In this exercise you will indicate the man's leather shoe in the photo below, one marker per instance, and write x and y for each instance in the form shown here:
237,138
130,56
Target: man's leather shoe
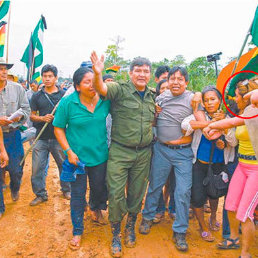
38,200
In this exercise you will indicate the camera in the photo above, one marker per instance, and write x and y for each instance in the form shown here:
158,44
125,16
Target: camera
214,57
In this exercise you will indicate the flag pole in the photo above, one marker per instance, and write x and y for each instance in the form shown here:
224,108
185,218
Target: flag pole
242,49
7,41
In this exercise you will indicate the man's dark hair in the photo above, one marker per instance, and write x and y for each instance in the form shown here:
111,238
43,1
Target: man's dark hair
107,76
140,61
79,74
49,68
180,69
34,81
161,69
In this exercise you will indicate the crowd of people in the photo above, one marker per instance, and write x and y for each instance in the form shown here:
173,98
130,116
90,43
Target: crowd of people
142,151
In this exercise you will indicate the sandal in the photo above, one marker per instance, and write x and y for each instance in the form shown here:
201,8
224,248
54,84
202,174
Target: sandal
214,227
75,243
207,236
224,244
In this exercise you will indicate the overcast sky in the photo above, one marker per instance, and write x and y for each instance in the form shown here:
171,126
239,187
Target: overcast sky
155,29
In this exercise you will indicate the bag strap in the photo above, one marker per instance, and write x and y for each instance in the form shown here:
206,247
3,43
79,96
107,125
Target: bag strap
211,157
49,100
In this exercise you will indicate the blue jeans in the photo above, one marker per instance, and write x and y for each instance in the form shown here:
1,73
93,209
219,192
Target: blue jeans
40,158
162,161
98,194
14,149
171,206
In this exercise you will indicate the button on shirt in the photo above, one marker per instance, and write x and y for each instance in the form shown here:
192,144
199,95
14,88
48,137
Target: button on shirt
132,115
13,98
86,132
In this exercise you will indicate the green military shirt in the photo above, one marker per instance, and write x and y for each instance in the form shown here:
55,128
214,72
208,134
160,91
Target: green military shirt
132,116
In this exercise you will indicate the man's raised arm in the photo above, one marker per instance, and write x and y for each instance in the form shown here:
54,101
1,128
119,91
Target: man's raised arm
98,67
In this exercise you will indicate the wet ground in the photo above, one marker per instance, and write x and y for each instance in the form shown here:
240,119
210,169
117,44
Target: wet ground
44,231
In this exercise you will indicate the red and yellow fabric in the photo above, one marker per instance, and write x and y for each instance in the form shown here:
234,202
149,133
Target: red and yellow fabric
2,39
114,69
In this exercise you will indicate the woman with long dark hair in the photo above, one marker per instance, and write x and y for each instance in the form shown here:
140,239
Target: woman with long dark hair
80,128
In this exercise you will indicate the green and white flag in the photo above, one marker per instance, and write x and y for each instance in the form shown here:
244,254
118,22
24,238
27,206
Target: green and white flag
33,54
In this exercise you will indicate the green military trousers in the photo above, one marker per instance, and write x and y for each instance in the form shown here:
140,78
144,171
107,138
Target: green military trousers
126,164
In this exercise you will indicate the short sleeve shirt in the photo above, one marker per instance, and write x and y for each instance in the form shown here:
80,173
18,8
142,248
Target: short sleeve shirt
86,132
132,116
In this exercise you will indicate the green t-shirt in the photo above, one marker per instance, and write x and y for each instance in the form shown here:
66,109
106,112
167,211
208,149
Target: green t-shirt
86,132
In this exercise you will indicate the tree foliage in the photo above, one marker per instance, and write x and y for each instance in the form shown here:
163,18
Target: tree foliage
201,72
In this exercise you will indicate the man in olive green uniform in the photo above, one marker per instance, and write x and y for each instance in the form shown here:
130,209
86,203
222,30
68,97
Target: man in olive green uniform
132,110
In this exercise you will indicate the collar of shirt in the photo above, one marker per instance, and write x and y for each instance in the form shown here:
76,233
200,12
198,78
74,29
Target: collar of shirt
132,89
76,99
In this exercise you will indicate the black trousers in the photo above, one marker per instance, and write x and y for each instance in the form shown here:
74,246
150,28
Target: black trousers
200,170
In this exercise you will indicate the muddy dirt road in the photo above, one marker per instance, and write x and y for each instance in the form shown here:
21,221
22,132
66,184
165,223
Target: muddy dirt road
44,231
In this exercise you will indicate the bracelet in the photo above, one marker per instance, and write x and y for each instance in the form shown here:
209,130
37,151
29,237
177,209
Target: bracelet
65,151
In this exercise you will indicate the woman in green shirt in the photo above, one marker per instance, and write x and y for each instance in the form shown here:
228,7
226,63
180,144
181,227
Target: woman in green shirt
80,128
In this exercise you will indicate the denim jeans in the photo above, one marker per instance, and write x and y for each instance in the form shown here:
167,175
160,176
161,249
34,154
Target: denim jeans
171,206
163,160
14,149
98,194
40,160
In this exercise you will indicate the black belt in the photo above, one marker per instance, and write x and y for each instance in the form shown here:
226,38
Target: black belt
133,147
247,157
176,147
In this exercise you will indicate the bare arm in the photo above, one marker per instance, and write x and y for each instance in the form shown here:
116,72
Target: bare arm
227,123
253,96
199,124
45,119
61,138
98,67
215,129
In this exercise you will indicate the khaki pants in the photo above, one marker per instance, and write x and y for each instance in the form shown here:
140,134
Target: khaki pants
126,164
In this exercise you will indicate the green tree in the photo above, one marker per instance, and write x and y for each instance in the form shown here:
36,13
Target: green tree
201,73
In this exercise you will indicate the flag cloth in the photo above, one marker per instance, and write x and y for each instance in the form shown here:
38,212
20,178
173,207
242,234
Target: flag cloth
4,8
2,38
35,59
114,69
254,30
251,66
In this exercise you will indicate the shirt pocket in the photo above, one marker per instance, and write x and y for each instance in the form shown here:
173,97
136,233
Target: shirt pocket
128,104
